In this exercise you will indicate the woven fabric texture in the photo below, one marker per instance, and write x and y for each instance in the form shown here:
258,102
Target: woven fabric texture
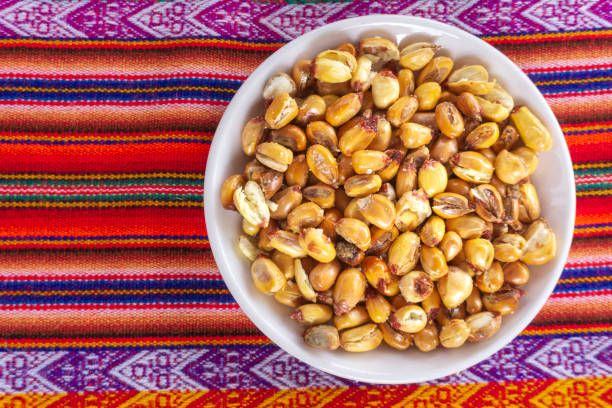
109,294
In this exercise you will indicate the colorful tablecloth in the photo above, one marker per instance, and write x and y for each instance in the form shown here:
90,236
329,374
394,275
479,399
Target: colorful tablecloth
109,294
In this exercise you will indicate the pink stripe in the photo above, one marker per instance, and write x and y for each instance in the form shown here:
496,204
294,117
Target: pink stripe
99,190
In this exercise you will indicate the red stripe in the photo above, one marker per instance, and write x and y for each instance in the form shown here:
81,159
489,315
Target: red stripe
118,103
585,124
585,153
219,306
128,158
213,275
603,292
149,45
583,93
547,39
566,68
133,77
106,135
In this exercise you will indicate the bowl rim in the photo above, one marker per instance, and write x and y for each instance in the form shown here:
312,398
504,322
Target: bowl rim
220,254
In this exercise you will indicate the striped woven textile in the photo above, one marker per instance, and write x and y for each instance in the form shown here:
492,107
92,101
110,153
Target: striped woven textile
109,294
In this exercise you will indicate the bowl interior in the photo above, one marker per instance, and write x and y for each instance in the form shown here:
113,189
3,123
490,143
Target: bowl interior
553,179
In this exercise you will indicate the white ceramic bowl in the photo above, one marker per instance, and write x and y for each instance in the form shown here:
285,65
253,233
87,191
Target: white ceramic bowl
554,181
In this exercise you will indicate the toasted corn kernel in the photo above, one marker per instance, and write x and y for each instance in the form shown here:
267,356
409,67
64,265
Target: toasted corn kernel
311,109
249,228
270,182
509,247
388,191
369,161
541,243
381,240
354,231
507,139
347,47
361,339
378,210
437,70
533,133
344,109
383,134
286,200
488,202
402,110
274,155
360,81
322,164
329,99
287,243
290,136
252,133
312,314
415,202
529,156
353,318
530,209
397,302
379,50
362,185
479,253
454,333
302,281
267,277
377,306
367,104
428,94
491,280
247,247
409,319
471,78
416,286
488,153
444,148
328,225
472,167
265,235
318,245
469,106
290,295
352,211
392,288
284,263
302,76
473,303
385,89
406,179
391,169
511,204
483,325
458,186
404,253
447,96
376,272
349,253
251,204
510,168
349,289
281,111
483,136
432,303
253,170
433,262
433,231
432,177
468,226
230,185
427,339
345,168
499,230
394,338
326,297
334,66
449,119
341,200
414,135
451,245
406,82
416,56
304,216
322,337
297,172
277,84
321,194
497,104
359,136
323,276
455,287
337,89
450,205
504,301
516,273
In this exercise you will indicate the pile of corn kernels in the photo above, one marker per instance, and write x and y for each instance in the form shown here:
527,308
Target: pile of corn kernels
389,198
